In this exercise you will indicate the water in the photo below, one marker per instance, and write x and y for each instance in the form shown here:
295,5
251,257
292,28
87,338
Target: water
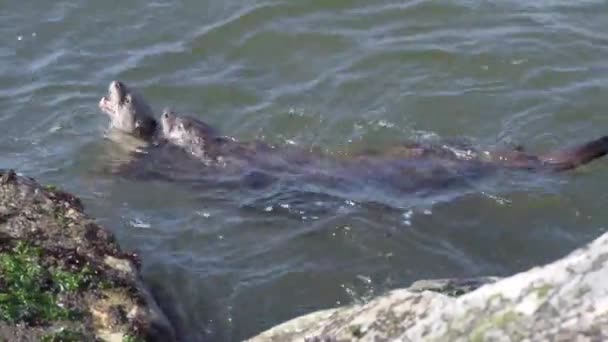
340,75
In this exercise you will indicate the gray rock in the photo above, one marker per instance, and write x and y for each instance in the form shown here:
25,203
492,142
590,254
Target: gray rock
564,301
382,319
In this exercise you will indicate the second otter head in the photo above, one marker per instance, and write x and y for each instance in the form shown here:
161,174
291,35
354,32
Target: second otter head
128,111
185,131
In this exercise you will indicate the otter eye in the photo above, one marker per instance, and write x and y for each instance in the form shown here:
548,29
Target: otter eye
128,99
166,115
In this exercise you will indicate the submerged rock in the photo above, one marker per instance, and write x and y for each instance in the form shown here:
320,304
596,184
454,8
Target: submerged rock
564,301
451,287
63,277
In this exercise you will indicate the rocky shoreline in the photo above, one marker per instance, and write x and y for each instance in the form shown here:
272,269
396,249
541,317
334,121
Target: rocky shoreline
63,277
566,300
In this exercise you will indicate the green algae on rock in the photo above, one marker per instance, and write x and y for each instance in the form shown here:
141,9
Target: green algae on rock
63,277
29,291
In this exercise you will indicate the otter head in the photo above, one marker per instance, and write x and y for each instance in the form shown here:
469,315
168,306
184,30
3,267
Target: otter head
128,111
187,132
182,130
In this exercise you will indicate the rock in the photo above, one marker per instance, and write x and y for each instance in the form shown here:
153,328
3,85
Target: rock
451,287
63,277
564,301
382,319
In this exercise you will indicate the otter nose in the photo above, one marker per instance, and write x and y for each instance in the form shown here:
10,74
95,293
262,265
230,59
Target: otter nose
117,84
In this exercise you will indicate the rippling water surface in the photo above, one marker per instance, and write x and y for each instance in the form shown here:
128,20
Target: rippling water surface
339,75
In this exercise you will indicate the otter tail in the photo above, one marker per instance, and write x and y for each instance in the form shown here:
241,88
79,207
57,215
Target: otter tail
558,160
571,158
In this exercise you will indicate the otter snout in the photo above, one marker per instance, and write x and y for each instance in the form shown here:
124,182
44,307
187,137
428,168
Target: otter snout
117,91
116,85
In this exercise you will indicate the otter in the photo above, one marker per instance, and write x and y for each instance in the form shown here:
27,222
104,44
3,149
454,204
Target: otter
202,141
403,169
128,111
